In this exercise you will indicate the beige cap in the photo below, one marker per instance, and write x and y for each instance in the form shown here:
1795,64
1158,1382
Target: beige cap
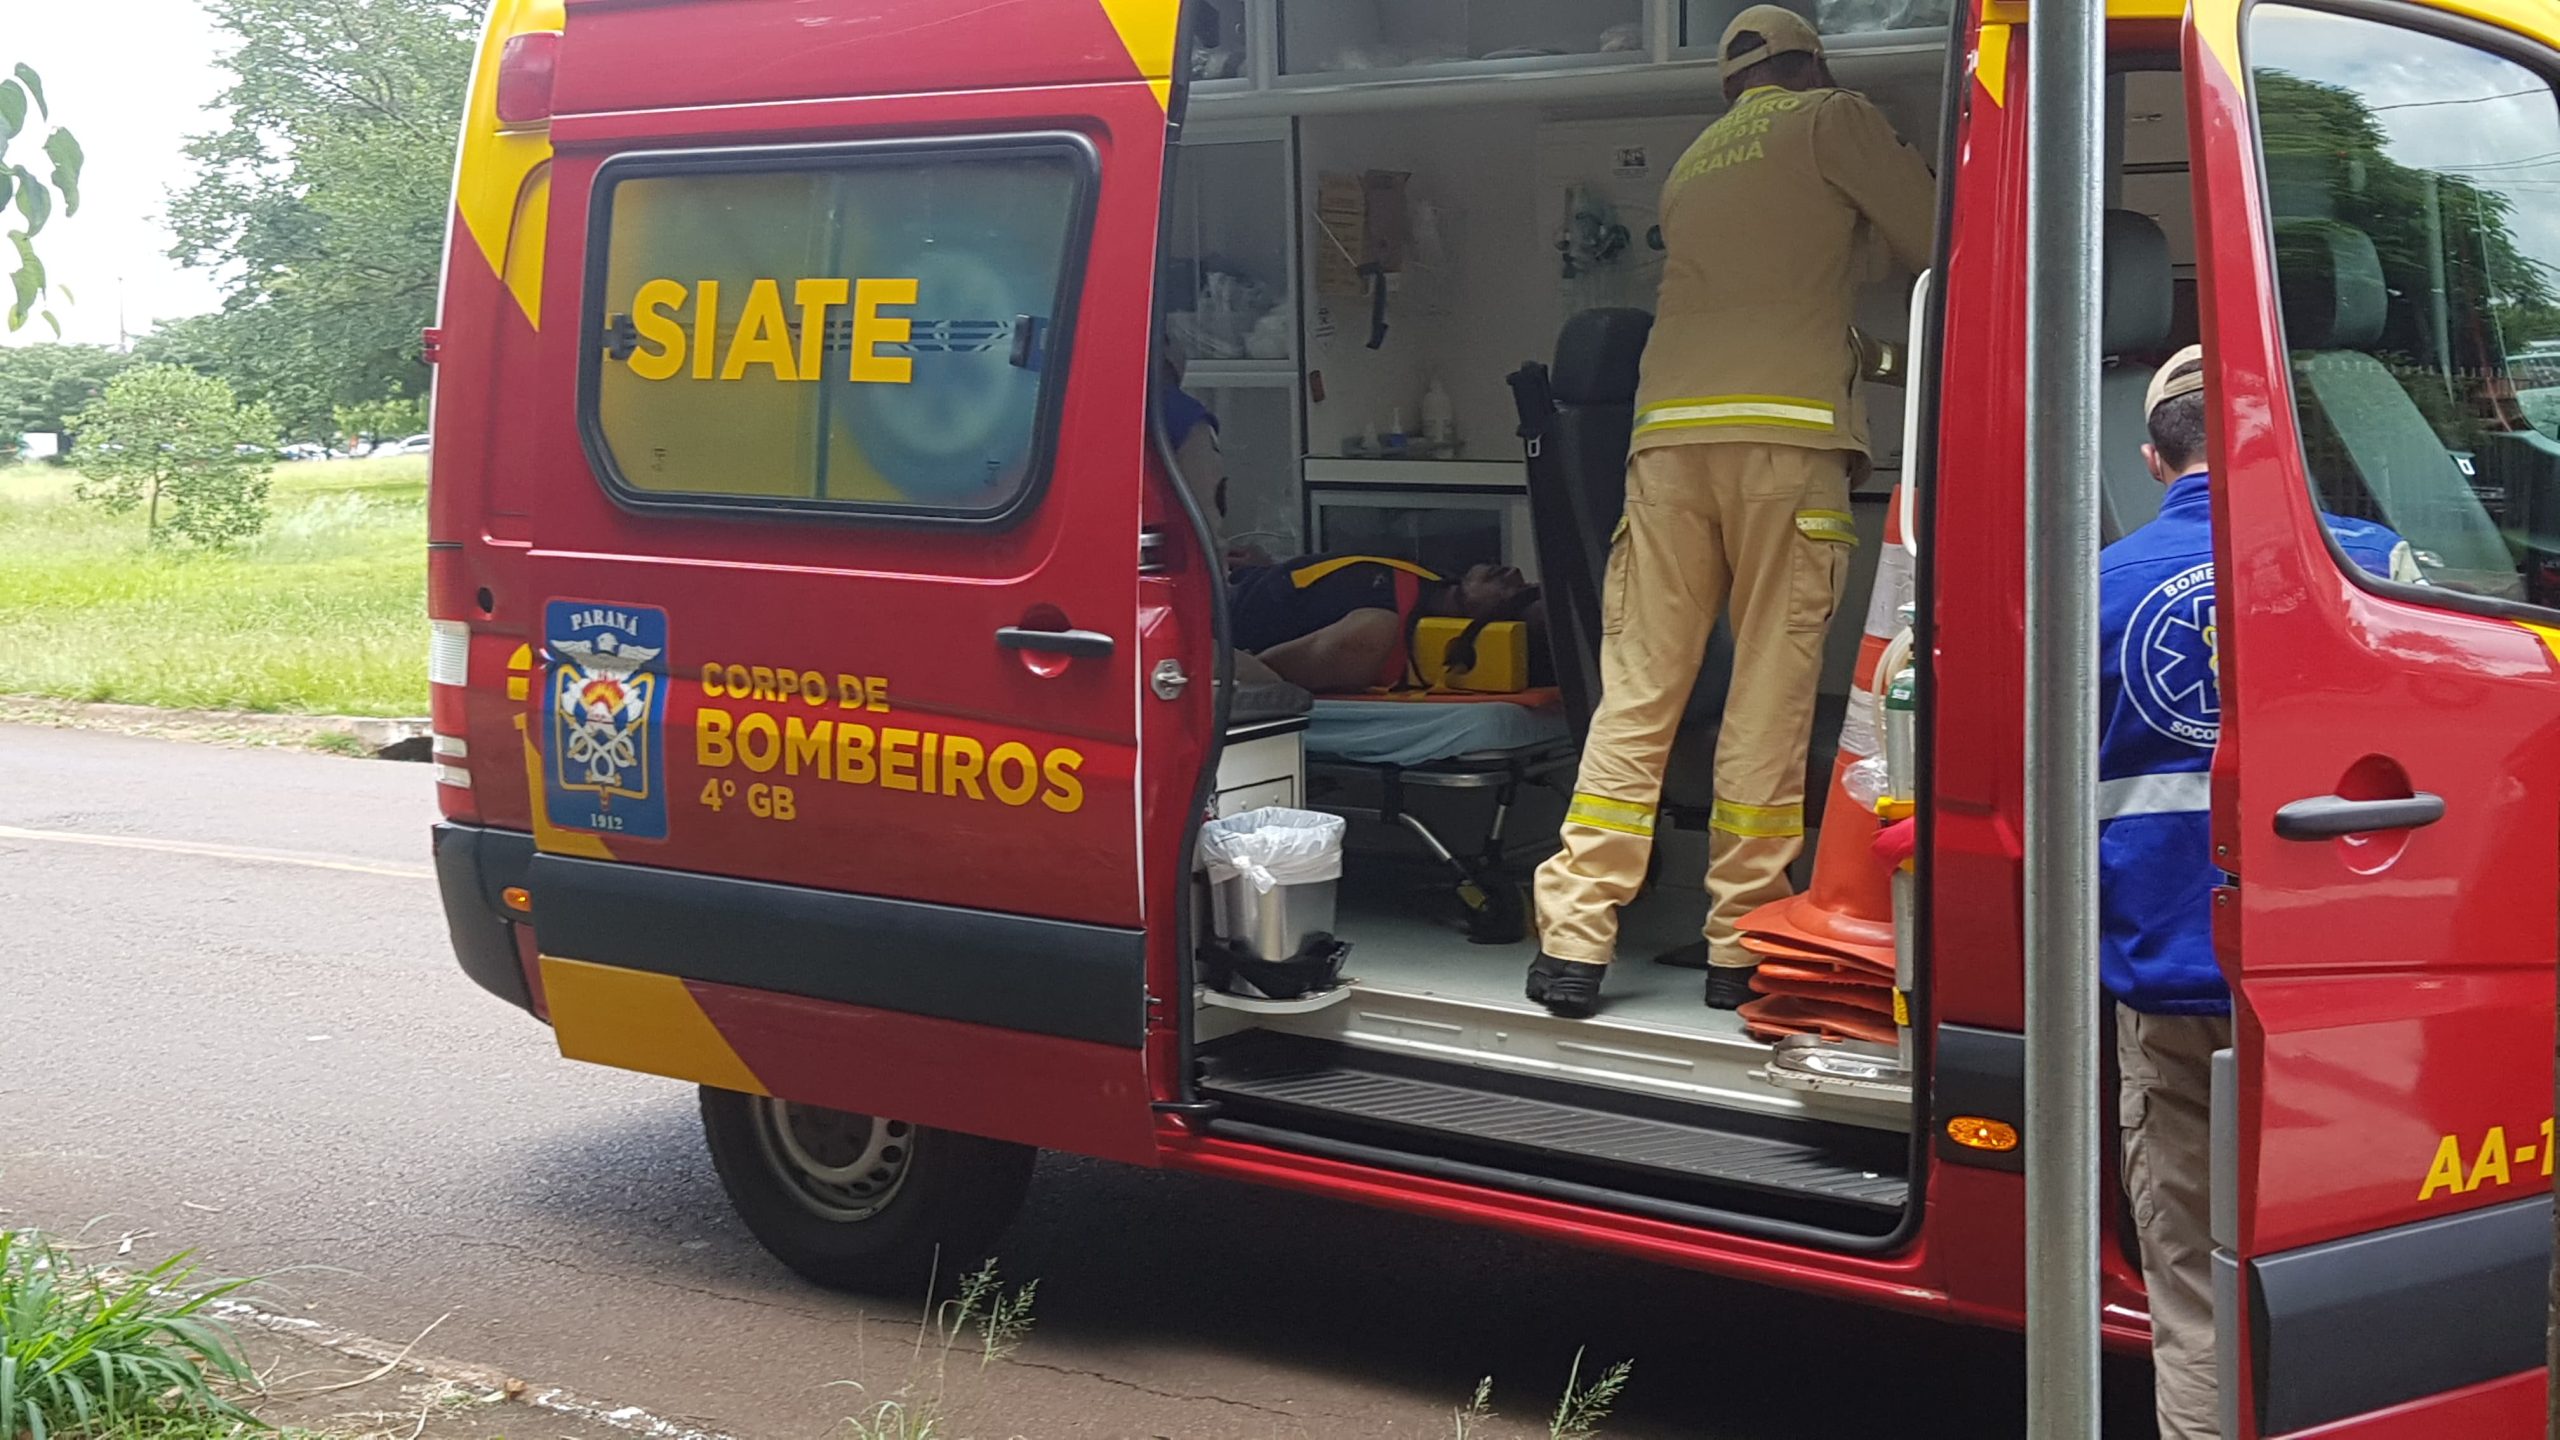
2164,388
1783,31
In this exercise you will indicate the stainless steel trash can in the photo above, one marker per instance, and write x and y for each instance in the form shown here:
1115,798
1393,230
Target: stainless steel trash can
1272,877
1271,925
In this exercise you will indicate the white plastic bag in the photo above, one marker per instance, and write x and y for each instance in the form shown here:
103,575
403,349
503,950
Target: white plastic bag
1865,782
1274,846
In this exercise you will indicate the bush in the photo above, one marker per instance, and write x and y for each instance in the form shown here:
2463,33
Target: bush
164,438
78,1351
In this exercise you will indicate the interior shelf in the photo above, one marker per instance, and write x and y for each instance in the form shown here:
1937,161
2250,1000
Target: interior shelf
1238,374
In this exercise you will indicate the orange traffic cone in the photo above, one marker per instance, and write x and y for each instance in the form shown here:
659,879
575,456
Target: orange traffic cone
1848,910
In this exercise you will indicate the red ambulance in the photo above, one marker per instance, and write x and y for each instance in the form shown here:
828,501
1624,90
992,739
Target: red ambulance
830,668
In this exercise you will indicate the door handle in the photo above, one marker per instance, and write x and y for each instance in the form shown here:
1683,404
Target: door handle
1055,642
2325,817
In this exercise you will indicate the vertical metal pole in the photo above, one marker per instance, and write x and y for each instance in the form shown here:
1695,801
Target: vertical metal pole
2065,173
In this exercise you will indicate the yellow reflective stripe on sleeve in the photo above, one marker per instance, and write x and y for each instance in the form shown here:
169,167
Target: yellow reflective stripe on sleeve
1306,575
1835,526
1788,411
1602,813
1757,821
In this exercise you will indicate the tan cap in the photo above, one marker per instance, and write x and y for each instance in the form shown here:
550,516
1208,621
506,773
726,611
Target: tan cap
1783,31
2165,388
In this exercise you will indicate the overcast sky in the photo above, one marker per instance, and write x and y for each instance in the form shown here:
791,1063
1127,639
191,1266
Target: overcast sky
2445,106
131,79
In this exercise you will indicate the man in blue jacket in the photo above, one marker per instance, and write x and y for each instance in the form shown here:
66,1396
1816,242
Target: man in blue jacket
2160,712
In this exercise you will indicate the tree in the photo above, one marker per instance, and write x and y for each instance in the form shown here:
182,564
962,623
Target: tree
43,386
388,418
266,352
33,196
324,195
167,438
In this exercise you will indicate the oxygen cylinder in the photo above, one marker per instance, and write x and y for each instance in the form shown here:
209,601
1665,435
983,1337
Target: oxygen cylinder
1900,717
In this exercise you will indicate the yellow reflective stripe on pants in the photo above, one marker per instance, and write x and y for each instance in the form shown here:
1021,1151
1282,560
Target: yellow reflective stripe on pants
1791,411
1710,531
1735,818
1836,526
1602,813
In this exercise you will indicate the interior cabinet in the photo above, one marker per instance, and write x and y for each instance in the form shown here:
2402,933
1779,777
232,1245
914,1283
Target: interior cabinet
1347,37
1852,21
1231,314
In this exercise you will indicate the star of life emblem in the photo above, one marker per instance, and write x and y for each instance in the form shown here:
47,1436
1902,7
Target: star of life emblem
2172,659
607,705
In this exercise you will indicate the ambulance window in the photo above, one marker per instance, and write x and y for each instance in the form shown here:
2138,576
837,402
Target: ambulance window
2414,183
870,329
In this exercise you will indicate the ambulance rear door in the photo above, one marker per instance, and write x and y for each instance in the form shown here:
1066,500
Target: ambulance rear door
834,718
2379,231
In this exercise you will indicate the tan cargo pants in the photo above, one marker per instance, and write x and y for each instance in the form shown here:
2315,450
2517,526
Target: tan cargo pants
2164,1105
1764,530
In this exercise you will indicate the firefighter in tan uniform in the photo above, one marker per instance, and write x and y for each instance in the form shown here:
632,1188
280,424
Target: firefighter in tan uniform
1748,429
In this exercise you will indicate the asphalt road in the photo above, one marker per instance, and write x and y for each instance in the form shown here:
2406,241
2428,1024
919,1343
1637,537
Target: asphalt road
276,1065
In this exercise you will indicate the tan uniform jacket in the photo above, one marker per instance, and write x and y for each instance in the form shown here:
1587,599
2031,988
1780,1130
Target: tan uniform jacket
1769,223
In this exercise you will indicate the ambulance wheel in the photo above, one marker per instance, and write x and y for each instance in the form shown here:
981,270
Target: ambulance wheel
854,1202
1497,912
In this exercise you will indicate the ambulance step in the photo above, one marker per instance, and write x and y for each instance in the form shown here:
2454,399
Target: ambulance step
1541,1128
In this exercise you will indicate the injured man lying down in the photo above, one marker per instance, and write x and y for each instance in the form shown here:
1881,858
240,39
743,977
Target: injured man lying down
1347,623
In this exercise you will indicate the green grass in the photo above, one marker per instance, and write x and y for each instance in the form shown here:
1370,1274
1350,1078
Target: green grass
80,1357
324,613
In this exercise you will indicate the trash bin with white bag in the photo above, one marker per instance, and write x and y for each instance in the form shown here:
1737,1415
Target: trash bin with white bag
1273,874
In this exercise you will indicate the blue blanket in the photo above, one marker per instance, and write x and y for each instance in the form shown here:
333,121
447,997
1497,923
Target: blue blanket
1402,732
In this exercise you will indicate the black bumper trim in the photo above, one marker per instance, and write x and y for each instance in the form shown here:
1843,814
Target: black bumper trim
1012,972
1980,1072
2362,1324
474,867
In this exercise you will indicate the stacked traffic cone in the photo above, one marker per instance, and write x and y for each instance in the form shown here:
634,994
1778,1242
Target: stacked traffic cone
1826,956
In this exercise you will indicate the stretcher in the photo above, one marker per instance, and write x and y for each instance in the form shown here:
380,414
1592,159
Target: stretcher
1446,742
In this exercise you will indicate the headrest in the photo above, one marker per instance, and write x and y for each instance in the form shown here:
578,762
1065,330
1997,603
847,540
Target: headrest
2139,293
2330,282
1597,357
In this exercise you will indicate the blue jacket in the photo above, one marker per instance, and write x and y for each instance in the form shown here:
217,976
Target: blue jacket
2159,714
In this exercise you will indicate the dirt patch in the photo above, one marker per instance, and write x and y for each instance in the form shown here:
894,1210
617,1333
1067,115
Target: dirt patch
360,735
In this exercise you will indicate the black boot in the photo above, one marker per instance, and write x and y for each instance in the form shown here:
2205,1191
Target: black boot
1729,987
1569,988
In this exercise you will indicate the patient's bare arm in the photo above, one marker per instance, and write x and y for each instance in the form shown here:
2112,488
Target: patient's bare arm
1348,654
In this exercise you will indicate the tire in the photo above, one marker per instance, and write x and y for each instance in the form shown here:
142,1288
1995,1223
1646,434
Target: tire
855,1203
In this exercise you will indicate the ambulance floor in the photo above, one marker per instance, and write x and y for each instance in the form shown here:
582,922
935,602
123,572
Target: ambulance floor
1398,943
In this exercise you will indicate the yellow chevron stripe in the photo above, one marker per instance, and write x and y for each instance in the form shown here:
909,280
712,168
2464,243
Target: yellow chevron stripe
634,1020
499,167
1991,63
1147,31
2550,636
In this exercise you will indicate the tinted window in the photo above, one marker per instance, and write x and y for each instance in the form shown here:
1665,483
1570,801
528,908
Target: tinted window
2415,188
869,330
